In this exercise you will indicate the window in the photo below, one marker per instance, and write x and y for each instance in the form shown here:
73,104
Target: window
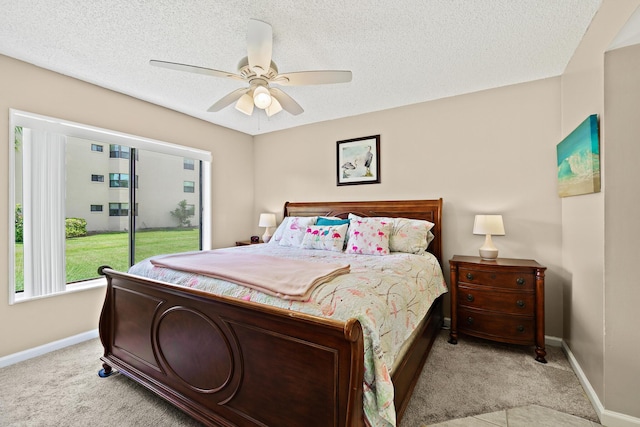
49,163
118,152
119,180
189,164
118,209
189,187
96,147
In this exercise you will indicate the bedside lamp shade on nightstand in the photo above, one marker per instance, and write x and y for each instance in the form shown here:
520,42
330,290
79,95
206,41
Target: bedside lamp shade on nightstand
267,220
489,225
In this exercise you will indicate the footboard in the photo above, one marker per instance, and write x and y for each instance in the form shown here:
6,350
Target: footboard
232,362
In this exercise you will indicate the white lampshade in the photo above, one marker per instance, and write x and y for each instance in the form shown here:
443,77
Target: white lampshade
488,225
261,97
267,220
245,104
274,108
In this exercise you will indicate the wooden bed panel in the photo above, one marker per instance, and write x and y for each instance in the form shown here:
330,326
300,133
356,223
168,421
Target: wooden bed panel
198,352
231,362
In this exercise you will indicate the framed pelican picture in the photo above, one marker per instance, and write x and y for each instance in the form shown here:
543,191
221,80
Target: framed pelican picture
358,160
579,160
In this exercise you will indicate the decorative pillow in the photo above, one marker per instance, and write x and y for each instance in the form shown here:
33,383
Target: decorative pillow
410,235
369,236
325,237
275,239
407,235
323,220
295,230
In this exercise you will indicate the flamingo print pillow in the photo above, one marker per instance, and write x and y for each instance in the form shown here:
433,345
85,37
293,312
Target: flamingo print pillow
325,237
295,229
369,236
407,235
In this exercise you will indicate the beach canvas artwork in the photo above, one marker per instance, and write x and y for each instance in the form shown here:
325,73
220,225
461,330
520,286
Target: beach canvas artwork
579,160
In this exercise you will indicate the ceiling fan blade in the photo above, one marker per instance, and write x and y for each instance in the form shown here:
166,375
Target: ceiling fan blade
195,69
312,78
259,46
287,102
228,99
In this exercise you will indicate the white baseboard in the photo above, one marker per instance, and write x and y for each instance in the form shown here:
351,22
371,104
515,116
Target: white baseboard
607,418
46,348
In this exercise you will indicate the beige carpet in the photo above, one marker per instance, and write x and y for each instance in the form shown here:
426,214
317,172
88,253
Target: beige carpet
63,389
477,377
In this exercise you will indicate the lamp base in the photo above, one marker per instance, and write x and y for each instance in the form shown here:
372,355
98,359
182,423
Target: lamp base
267,235
488,251
488,254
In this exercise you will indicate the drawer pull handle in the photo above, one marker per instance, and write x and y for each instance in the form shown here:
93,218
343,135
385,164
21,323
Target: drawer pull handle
470,298
469,276
470,320
520,303
520,281
520,328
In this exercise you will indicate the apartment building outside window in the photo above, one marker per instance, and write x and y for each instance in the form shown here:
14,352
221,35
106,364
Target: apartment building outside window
50,163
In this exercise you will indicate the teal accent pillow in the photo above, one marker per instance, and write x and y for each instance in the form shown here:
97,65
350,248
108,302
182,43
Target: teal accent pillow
330,221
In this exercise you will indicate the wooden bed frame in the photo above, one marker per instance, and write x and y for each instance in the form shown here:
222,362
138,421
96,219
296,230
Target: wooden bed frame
229,362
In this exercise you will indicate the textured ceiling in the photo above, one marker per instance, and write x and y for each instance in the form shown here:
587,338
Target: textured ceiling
400,52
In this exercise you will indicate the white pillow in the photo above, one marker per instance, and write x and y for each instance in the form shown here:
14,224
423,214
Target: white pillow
325,237
410,235
275,239
295,230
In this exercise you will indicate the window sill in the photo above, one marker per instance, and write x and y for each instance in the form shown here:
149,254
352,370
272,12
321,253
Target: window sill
71,288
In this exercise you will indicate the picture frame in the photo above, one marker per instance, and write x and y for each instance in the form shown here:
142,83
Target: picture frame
358,160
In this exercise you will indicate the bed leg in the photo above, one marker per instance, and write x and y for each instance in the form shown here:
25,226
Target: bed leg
106,371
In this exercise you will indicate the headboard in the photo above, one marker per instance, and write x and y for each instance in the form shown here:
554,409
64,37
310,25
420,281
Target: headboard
429,210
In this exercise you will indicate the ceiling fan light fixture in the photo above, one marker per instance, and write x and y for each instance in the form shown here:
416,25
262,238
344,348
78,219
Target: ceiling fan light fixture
245,104
261,97
274,108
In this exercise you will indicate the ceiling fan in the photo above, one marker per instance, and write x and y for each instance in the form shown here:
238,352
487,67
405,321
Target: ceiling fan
260,71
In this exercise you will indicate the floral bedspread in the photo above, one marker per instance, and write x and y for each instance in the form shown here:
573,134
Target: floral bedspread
389,295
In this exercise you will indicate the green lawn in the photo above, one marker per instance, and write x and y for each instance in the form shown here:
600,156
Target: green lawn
86,254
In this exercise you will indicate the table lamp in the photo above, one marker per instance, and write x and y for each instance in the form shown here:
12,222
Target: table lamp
267,220
488,225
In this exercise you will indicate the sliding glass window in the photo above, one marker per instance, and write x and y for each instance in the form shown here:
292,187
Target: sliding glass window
61,233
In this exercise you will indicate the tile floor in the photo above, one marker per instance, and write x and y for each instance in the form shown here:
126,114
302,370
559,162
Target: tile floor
527,416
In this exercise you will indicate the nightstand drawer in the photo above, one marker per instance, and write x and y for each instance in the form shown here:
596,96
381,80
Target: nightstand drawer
499,327
507,301
508,280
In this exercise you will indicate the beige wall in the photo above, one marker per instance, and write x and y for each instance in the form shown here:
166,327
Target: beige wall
491,151
590,316
29,88
622,231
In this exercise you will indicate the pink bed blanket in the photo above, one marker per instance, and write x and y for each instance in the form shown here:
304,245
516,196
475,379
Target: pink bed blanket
285,278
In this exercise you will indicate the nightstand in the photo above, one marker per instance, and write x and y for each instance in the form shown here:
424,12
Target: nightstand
247,243
500,300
